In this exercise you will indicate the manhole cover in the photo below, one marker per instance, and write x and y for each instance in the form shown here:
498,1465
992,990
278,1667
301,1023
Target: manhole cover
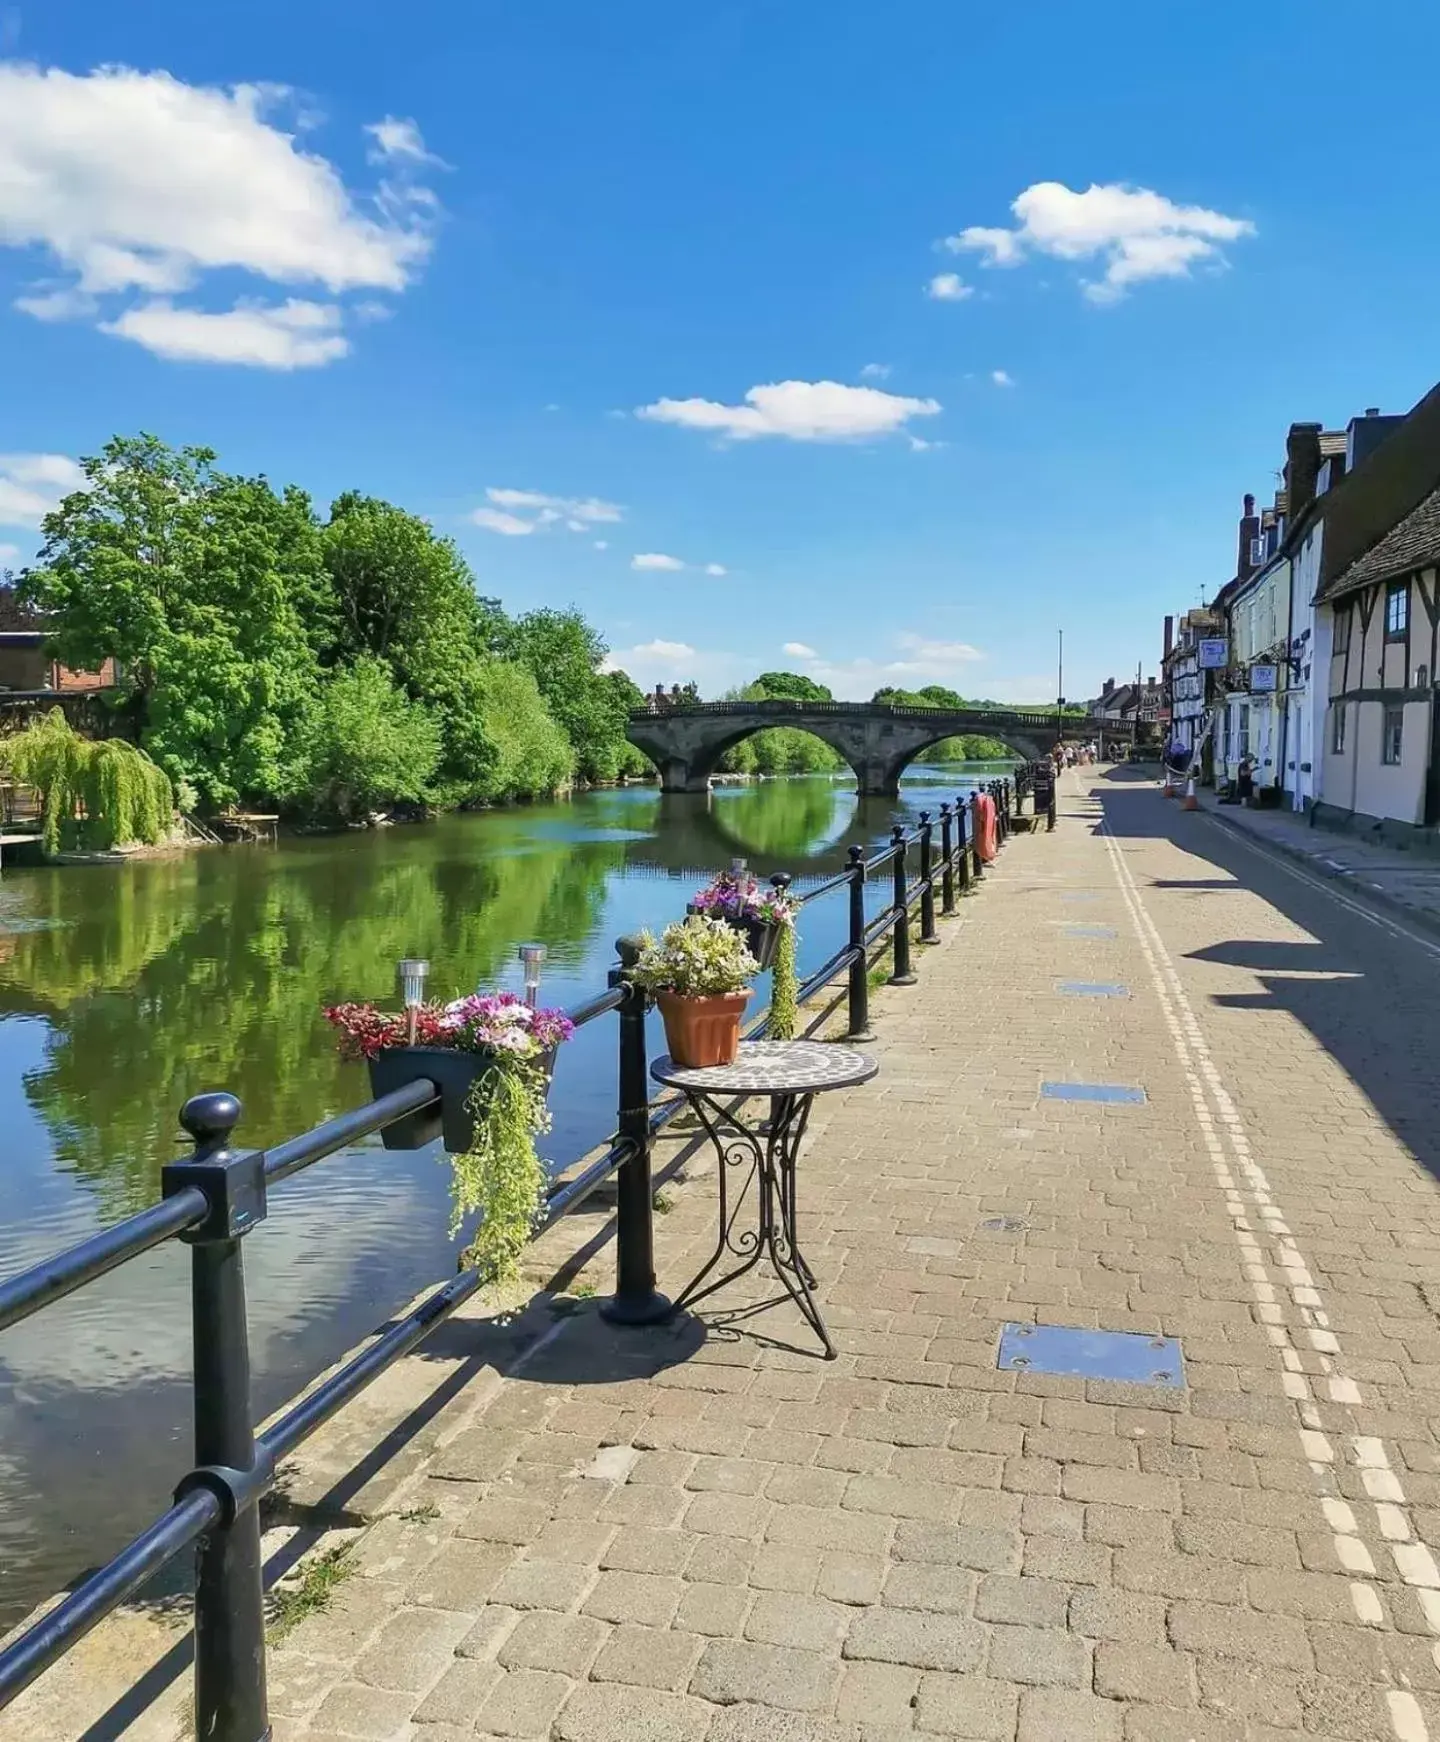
1127,1355
1003,1225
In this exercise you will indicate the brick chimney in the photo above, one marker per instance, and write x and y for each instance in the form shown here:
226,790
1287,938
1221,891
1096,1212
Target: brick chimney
1302,467
1169,636
1250,529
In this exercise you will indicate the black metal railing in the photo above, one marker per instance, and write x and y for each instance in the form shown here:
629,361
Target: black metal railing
217,1196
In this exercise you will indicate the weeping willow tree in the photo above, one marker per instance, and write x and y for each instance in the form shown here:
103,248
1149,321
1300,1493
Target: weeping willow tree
92,794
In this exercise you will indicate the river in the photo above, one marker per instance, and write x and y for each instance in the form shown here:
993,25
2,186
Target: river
125,989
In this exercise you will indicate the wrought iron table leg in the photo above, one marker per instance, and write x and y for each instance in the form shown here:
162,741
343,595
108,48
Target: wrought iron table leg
771,1166
781,1241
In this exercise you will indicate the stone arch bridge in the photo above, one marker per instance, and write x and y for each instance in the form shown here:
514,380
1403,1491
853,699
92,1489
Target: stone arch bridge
876,739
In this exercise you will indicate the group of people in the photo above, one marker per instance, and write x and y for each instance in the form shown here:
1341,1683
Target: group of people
1075,755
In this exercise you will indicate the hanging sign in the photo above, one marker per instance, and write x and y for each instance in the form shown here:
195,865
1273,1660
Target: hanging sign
1262,678
1214,654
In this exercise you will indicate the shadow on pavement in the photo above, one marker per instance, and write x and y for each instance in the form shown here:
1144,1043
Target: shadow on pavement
1366,994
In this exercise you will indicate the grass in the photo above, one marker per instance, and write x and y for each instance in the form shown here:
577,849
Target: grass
312,1593
420,1514
663,1205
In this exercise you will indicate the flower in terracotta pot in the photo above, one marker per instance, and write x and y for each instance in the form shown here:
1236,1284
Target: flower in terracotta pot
699,972
491,1056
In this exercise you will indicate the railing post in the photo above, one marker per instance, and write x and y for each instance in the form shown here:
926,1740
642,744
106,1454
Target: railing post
928,933
636,1300
962,830
903,975
947,859
859,963
1052,812
979,868
230,1703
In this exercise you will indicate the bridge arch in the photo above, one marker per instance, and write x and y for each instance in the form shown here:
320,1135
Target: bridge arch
876,740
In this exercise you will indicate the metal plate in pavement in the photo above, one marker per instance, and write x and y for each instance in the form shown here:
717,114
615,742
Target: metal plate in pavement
1127,1355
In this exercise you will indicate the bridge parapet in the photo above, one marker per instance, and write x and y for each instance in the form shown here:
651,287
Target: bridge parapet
877,739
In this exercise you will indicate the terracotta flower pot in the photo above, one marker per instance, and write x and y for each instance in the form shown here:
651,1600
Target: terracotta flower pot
702,1031
453,1072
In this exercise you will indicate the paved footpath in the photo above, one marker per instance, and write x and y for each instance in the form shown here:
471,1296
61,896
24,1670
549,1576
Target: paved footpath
650,1537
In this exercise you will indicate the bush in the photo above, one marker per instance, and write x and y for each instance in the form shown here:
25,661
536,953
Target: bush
370,745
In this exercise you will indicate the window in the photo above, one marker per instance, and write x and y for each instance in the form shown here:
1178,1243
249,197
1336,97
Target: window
1343,615
1397,611
1243,747
1392,735
1337,729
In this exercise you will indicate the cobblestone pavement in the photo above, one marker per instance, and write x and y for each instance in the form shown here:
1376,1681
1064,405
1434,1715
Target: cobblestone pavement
669,1537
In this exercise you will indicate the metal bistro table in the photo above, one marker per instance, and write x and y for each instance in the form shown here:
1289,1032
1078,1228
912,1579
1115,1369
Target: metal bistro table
789,1073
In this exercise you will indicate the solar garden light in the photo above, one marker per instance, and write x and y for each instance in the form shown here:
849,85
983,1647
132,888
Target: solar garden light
532,955
411,975
737,869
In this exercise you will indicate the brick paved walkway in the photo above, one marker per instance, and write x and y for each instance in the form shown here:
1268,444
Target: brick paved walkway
647,1537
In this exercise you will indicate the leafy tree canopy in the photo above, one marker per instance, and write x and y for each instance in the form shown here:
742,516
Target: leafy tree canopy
566,655
791,686
194,582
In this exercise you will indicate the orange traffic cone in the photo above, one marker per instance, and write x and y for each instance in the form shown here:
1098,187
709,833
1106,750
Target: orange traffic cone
1190,802
1168,790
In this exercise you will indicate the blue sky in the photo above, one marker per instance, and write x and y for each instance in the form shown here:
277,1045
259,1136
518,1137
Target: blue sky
542,263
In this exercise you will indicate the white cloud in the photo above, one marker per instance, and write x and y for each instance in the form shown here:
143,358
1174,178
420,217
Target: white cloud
136,185
602,544
291,335
716,569
875,372
62,304
32,484
398,141
1001,378
1137,234
948,287
798,650
677,652
9,552
655,559
583,508
804,411
916,660
536,509
507,525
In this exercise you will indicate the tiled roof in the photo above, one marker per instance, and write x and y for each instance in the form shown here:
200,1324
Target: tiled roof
1332,442
1413,544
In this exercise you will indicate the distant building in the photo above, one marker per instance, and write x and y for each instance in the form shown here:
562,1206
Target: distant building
25,665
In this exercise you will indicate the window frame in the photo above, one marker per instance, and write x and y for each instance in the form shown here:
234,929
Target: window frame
1392,718
1397,593
1339,716
1344,622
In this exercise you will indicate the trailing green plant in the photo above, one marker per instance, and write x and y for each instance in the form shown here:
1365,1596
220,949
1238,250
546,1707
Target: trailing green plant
501,1175
784,985
94,794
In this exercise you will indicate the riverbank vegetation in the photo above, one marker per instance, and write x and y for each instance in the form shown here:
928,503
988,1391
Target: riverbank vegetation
330,665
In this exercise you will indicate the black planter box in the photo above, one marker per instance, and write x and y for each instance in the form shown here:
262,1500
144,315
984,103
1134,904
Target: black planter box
453,1072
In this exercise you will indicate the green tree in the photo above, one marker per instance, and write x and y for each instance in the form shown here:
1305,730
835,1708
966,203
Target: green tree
790,686
192,581
405,595
532,755
369,745
566,654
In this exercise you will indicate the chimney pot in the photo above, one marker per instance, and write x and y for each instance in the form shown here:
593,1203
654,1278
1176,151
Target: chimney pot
1249,504
1372,411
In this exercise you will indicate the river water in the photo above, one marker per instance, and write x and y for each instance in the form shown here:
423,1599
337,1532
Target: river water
125,989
